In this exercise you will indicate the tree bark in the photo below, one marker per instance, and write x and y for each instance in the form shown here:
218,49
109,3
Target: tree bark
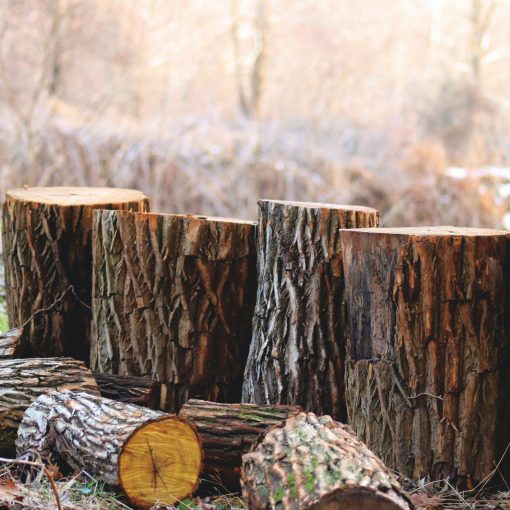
227,432
311,462
141,391
297,351
47,234
23,380
173,300
427,366
13,344
154,457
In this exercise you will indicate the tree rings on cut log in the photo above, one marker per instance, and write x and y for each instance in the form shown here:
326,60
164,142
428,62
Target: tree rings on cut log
427,367
297,349
47,249
160,462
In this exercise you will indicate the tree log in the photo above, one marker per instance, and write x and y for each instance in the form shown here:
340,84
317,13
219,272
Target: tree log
311,462
173,300
297,351
227,432
154,457
427,366
13,344
141,391
23,380
47,248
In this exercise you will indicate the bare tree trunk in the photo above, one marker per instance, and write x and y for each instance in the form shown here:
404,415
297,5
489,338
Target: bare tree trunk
227,432
427,370
47,249
316,463
297,351
154,457
22,381
173,300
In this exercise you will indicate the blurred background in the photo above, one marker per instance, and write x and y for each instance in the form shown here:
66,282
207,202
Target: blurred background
206,105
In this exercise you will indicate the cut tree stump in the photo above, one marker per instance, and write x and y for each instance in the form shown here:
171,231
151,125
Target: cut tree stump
173,300
23,380
297,350
154,457
427,371
317,463
47,248
141,391
227,432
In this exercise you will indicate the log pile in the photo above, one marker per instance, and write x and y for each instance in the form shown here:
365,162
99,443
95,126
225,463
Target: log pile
154,457
173,300
47,247
427,366
297,350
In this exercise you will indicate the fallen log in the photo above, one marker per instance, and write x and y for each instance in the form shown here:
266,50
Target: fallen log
141,391
297,350
155,458
173,300
47,234
23,380
427,370
12,344
310,462
227,432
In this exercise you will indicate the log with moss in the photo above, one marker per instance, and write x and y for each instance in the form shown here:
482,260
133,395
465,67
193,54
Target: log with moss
173,300
297,350
155,458
23,380
227,432
428,355
47,250
317,463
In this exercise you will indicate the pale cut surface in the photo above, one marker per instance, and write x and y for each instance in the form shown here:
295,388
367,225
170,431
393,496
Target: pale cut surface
435,231
319,205
69,196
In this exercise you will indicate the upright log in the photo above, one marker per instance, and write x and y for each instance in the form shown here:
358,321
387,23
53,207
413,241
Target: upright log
427,371
23,380
154,457
317,463
47,234
297,350
227,432
173,300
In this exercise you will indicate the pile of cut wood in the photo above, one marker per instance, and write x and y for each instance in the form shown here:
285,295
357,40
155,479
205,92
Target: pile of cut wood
168,353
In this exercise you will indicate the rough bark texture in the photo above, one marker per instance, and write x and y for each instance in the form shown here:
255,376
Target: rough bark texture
173,300
13,344
227,432
47,234
427,366
318,463
22,381
141,391
297,351
154,457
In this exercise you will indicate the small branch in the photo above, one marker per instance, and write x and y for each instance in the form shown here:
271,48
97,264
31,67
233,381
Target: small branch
427,395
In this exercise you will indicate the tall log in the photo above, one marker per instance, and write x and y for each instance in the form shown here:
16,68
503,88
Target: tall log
297,350
227,432
311,462
47,234
141,391
23,380
427,366
173,300
154,457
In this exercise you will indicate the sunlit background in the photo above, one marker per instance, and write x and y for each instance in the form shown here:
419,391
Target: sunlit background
207,105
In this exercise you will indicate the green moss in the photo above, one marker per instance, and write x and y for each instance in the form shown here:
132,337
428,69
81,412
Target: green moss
278,495
292,485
